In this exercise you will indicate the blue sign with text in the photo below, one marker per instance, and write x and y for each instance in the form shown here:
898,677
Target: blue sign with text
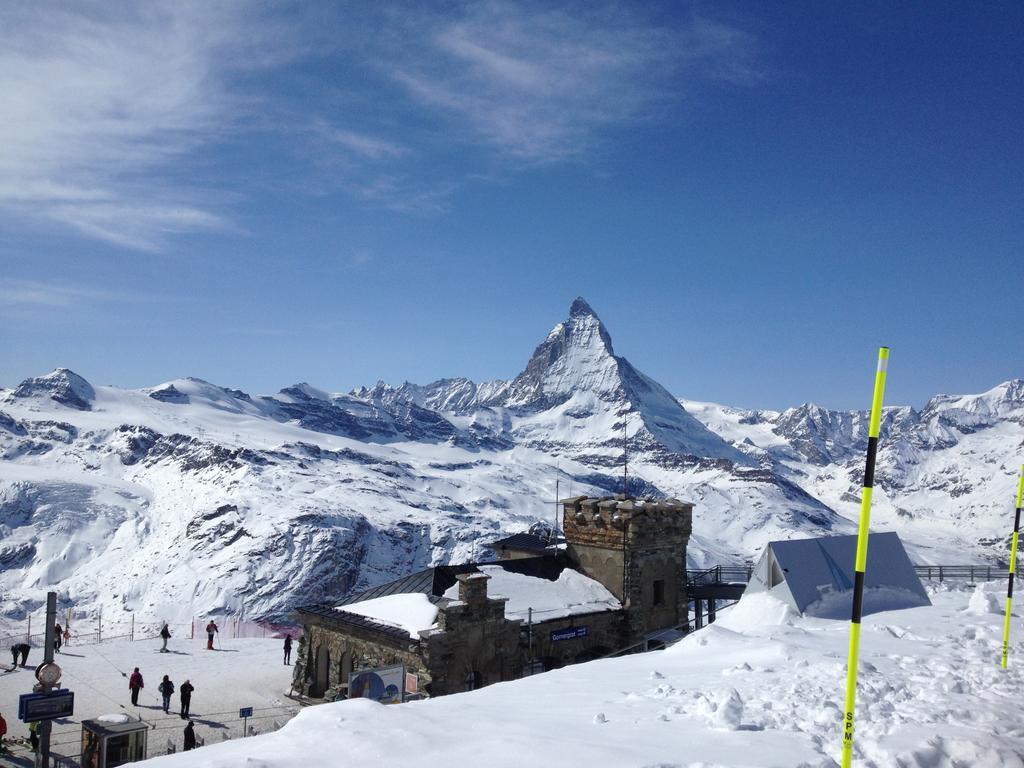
33,707
569,633
245,712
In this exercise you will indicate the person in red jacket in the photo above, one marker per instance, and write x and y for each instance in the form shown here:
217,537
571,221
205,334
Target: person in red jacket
3,732
210,629
135,685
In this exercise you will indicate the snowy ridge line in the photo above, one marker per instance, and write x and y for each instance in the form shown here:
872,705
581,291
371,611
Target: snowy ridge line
194,499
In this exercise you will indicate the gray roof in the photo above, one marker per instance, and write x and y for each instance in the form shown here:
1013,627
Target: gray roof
523,542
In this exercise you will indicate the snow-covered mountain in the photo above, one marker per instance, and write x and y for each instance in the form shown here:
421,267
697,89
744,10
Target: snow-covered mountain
190,497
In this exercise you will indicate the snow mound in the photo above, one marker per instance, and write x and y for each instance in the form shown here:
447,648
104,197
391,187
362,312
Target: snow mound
757,609
117,718
984,600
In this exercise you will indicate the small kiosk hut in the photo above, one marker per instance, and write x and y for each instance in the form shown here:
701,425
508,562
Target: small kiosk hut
112,740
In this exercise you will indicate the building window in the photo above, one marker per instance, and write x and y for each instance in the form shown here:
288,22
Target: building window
659,592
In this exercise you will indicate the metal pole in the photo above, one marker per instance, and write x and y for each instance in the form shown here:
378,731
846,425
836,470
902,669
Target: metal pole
45,725
133,627
860,564
1013,567
529,630
99,626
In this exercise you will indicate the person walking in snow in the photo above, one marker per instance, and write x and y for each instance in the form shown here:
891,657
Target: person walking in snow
211,628
23,649
186,698
135,685
58,636
287,649
67,635
190,736
166,689
165,633
14,655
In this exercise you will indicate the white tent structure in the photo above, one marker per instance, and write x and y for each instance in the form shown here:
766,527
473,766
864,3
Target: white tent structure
815,576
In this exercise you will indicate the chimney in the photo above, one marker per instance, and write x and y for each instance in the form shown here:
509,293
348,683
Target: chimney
473,589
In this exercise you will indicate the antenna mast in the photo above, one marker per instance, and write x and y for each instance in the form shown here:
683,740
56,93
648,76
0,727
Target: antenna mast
625,458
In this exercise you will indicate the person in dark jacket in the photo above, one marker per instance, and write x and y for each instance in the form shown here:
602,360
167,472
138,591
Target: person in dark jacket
287,649
165,633
166,689
186,698
135,685
58,637
211,628
14,655
23,649
190,736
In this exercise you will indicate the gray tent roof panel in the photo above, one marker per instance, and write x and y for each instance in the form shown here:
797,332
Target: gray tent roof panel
817,569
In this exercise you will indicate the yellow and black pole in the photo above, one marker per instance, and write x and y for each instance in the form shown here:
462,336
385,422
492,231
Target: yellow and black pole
860,564
1013,567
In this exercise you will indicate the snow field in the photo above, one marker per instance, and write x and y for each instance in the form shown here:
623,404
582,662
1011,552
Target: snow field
242,673
761,687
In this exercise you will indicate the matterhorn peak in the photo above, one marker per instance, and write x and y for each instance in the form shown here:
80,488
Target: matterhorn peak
580,307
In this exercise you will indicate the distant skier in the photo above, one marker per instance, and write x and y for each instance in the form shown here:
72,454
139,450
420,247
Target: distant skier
211,628
165,633
135,685
67,635
14,655
186,698
58,636
166,689
287,649
190,736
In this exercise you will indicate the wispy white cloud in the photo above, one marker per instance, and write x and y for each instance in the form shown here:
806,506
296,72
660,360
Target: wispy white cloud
103,102
112,111
49,295
541,85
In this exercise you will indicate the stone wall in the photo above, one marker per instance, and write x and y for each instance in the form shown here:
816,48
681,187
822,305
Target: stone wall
630,545
340,649
473,644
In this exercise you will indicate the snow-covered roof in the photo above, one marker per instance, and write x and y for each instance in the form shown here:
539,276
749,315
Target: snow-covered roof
411,611
570,594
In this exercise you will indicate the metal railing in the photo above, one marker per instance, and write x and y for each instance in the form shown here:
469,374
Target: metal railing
735,574
960,572
720,574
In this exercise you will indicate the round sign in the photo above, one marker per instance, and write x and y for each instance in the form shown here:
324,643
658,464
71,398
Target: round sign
48,673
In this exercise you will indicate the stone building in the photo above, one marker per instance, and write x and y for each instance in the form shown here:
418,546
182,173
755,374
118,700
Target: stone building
617,582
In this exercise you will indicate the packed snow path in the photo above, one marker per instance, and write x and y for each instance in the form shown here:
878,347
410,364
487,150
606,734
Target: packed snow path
240,673
758,688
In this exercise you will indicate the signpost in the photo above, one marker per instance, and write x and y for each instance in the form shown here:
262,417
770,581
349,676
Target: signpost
36,707
245,713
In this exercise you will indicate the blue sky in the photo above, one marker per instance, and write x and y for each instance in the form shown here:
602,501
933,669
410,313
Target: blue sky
752,196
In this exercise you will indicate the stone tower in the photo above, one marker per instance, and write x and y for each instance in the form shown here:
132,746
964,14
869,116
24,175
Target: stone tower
637,549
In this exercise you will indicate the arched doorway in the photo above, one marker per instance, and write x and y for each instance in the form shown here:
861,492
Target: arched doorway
322,668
